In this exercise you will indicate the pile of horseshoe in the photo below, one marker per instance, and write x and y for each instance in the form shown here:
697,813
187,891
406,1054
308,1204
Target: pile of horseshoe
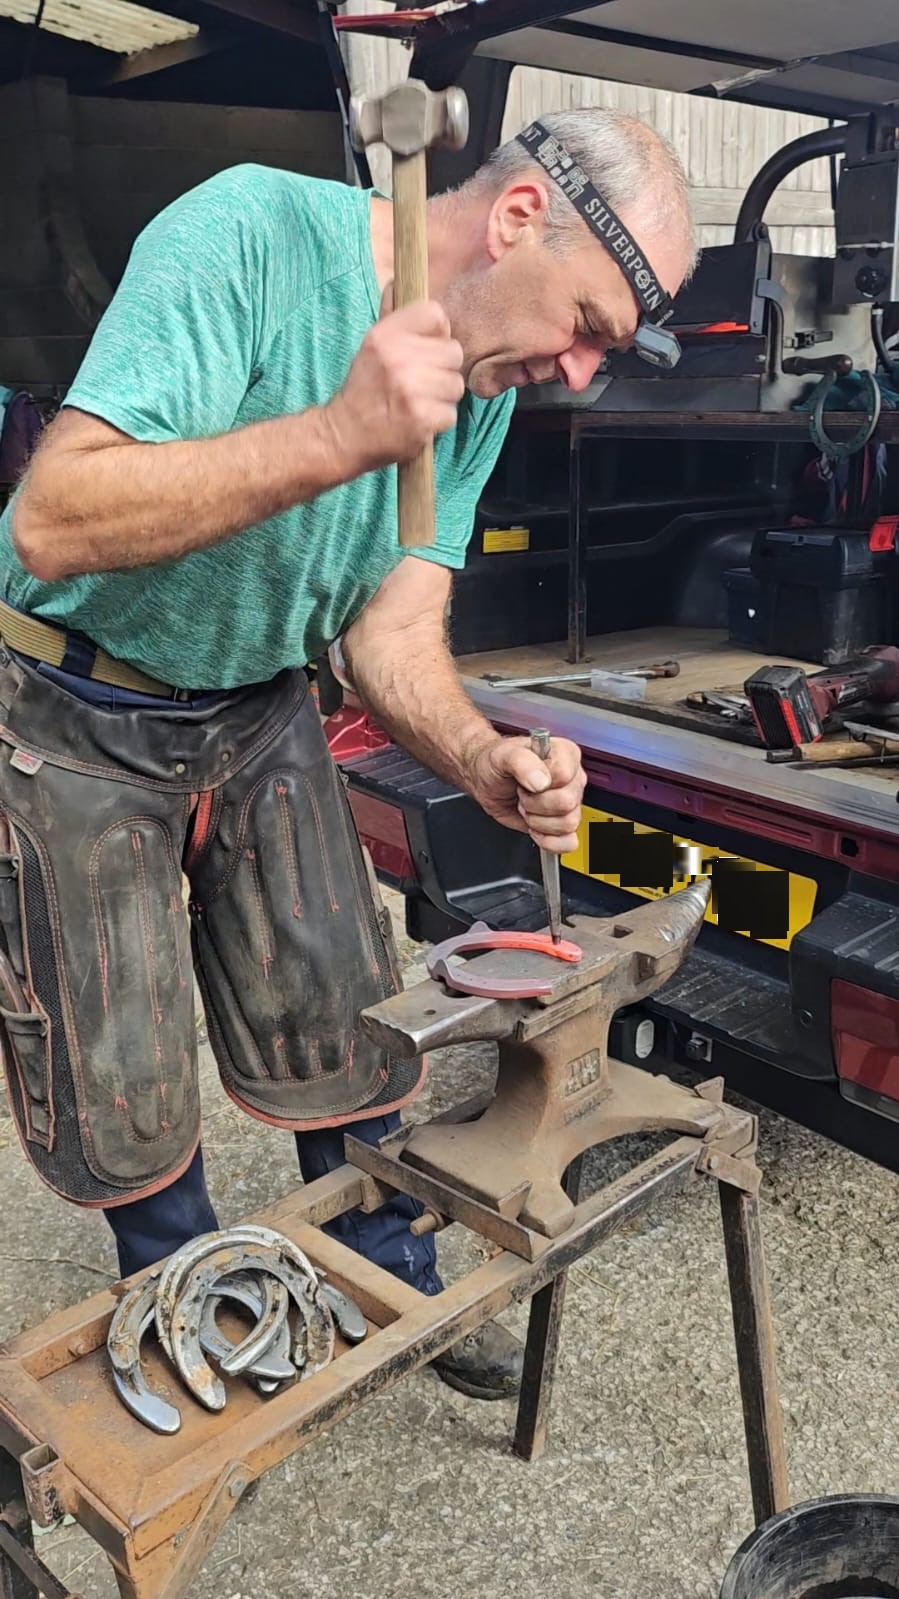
260,1272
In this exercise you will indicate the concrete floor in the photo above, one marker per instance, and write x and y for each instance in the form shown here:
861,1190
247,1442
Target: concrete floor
642,1493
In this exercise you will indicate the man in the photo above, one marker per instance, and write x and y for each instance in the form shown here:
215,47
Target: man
214,507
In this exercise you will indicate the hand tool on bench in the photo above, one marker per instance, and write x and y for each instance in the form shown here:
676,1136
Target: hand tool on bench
791,707
730,707
885,736
541,744
557,1092
656,670
411,119
838,752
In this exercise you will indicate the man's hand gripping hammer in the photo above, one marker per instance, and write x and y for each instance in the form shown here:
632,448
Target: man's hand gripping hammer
410,120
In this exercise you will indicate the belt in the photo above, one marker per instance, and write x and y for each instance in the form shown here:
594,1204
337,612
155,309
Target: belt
43,641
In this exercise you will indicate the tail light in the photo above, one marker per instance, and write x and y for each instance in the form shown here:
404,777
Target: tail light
865,1031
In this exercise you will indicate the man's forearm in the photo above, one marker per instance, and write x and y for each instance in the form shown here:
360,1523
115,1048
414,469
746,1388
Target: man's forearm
95,507
401,667
415,691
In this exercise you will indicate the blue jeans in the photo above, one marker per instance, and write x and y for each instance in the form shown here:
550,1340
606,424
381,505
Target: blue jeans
149,1229
146,1230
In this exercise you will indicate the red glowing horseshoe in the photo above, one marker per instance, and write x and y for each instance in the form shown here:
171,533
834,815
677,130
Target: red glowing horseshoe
440,962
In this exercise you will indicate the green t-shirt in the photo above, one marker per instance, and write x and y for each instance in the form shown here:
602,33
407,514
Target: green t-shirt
247,299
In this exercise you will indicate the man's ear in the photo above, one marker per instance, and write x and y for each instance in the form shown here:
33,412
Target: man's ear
517,215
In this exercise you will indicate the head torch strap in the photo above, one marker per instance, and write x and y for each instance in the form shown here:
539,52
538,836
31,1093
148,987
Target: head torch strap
556,162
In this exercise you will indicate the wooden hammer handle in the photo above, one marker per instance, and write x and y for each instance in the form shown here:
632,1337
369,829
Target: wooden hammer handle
410,282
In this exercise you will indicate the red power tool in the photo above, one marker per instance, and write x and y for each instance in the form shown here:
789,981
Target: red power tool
789,707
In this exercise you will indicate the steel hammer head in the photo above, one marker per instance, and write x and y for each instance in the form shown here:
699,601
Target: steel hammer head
410,118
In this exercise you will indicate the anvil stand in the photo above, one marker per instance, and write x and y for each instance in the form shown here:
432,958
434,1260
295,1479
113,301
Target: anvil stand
509,1169
155,1505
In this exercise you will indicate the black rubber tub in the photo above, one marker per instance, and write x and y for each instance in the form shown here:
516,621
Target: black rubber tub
844,1547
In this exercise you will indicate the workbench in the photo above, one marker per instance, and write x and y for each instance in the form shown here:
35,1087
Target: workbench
709,662
156,1504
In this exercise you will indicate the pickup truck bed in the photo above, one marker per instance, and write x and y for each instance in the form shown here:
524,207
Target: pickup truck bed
708,664
714,751
792,992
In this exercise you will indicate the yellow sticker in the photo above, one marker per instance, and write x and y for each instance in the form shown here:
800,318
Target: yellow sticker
506,538
771,911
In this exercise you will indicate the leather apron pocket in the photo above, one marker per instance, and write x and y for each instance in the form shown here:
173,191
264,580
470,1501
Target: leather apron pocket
24,1024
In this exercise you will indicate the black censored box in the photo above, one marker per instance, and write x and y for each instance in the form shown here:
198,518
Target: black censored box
744,898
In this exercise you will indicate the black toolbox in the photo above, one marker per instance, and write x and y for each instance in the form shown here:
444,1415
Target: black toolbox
744,607
823,594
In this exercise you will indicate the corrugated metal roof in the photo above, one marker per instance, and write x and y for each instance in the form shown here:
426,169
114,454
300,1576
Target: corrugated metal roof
111,24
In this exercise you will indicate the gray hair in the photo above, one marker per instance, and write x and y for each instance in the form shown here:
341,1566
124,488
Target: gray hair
630,164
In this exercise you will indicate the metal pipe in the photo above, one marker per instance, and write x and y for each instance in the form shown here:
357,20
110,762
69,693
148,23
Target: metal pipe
578,523
824,141
887,361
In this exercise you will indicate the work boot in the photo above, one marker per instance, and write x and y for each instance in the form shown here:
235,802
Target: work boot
486,1365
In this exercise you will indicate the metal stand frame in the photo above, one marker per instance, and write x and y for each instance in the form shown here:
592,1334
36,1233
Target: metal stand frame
156,1505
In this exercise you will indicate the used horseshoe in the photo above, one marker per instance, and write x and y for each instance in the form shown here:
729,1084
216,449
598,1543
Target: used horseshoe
194,1249
316,1333
243,1355
277,1242
133,1317
440,962
179,1265
182,1341
266,1387
351,1324
184,1337
314,1340
276,1358
272,1364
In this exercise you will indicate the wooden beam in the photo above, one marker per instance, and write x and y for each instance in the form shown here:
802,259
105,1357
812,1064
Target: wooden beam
295,20
158,58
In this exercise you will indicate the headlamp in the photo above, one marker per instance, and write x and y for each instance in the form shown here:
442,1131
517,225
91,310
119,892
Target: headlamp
653,341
